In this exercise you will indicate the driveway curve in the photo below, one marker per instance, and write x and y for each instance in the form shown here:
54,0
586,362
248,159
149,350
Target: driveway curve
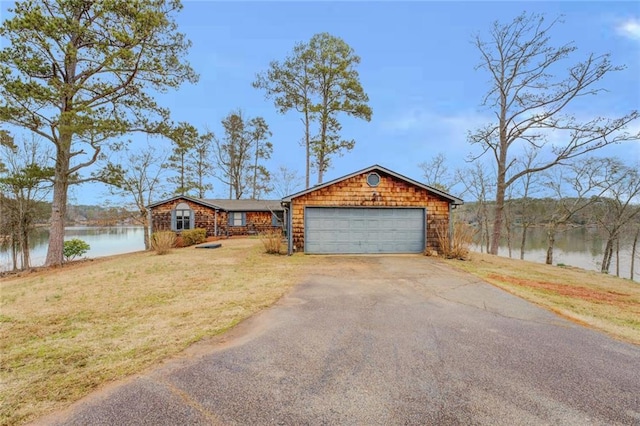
384,340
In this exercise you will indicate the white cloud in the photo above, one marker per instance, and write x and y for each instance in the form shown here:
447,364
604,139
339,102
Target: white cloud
420,119
424,133
629,28
407,121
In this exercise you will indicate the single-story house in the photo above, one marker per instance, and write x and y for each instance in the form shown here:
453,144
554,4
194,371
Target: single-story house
374,210
218,217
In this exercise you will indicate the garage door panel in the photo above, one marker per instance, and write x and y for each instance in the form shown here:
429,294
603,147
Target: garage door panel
364,230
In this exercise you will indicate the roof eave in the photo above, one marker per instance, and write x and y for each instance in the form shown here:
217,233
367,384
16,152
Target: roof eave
184,197
453,200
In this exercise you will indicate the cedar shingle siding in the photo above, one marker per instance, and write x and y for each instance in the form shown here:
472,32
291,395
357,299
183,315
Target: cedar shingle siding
392,191
215,223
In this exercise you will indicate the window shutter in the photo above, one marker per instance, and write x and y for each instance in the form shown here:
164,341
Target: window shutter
192,219
173,220
230,217
274,219
244,219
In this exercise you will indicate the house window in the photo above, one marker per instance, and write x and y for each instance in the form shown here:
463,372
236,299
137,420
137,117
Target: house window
237,219
373,179
277,219
182,217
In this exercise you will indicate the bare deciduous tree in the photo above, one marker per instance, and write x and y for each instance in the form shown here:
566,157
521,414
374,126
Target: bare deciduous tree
138,176
528,186
479,185
618,206
575,188
286,181
634,247
26,180
528,100
436,173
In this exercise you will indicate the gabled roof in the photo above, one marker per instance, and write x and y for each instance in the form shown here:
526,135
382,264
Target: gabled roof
375,167
246,205
228,205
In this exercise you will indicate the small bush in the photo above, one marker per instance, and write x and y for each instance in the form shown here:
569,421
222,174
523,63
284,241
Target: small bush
272,241
194,236
162,242
74,248
458,248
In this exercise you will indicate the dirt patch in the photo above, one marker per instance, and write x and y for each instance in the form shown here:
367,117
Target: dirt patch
588,294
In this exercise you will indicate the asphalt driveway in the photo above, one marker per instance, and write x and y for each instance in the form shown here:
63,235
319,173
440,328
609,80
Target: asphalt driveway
386,340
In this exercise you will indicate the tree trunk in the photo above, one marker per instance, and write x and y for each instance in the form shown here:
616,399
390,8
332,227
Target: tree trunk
55,252
501,177
320,173
14,251
145,226
523,240
182,169
24,243
484,226
487,238
609,257
633,253
617,257
323,136
255,171
22,232
497,218
308,146
606,257
509,240
551,239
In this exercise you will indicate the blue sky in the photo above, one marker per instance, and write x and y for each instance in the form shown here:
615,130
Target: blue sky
417,66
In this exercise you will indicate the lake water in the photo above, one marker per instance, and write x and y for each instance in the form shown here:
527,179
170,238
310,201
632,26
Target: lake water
580,247
104,241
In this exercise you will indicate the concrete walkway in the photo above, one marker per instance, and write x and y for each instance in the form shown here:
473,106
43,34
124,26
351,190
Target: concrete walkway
384,340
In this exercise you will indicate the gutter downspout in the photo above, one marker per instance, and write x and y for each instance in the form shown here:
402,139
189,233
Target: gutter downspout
215,222
451,209
150,227
287,213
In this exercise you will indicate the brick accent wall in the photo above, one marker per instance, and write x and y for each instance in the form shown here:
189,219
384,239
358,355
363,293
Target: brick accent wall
390,192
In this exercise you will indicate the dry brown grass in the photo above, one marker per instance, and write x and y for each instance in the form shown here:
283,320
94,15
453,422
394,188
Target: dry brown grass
162,242
272,241
458,247
67,331
600,301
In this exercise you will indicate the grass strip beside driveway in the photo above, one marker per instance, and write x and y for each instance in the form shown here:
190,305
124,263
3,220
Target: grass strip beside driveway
67,331
600,301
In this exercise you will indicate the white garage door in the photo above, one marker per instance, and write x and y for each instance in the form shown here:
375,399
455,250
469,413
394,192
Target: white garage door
364,230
